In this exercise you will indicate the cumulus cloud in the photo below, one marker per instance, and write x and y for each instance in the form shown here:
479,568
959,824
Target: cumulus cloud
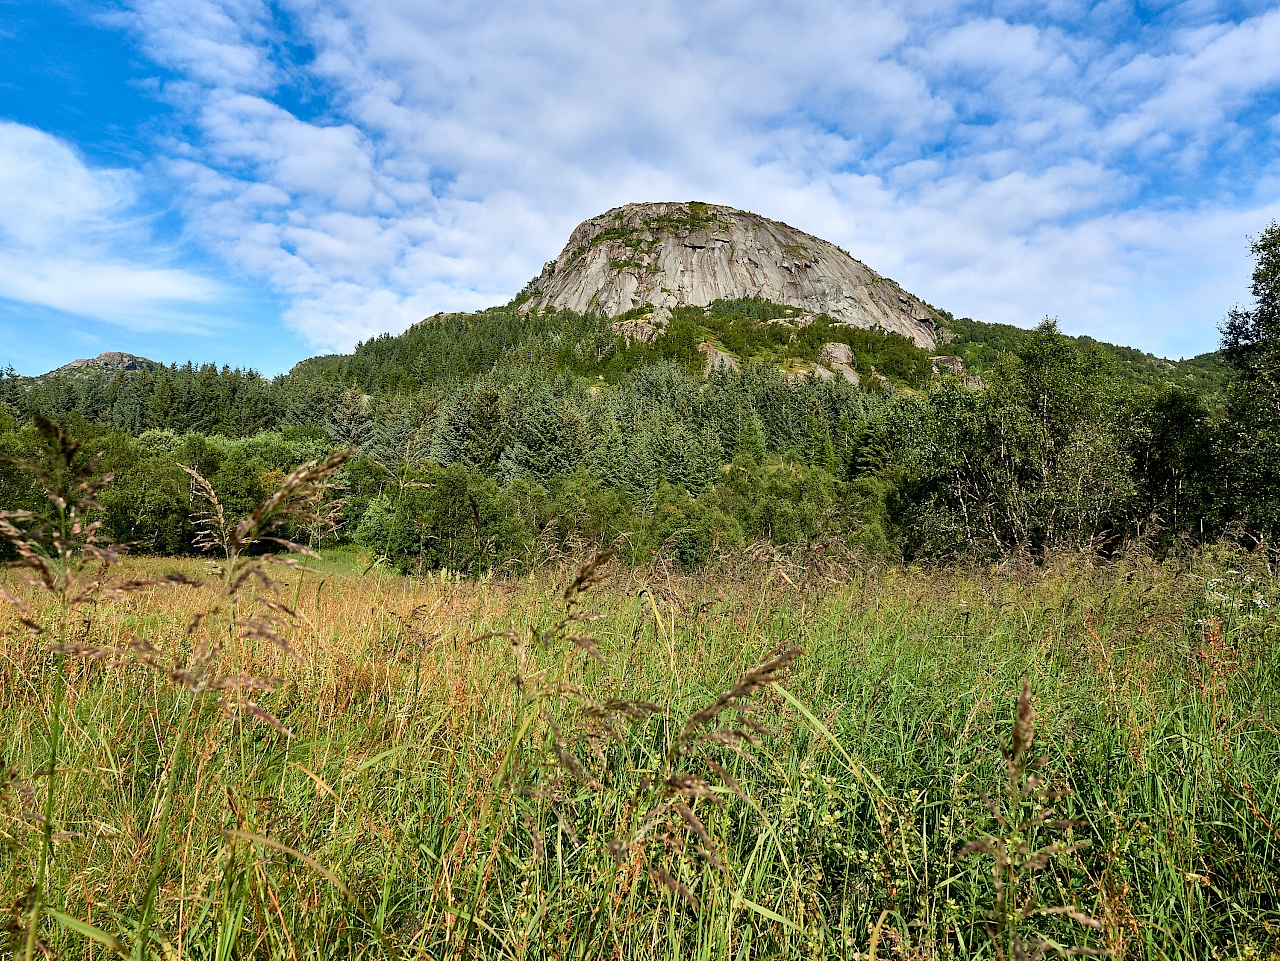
380,160
69,240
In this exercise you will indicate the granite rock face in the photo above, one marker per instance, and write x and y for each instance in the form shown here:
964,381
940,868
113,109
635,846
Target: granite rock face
108,362
690,254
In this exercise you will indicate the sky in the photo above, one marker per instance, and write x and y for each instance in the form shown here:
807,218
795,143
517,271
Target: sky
251,183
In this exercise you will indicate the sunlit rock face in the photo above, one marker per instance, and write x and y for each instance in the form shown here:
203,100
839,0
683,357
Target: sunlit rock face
690,254
108,362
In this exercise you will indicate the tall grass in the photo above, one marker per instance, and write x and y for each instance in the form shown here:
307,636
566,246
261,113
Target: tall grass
414,801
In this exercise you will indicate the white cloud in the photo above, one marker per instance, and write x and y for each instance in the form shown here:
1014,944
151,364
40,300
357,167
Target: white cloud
1211,75
1004,161
69,240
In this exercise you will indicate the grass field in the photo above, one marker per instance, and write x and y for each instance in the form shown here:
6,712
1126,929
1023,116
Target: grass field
424,805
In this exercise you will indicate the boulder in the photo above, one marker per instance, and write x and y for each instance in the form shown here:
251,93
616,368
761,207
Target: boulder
836,354
948,365
716,357
839,359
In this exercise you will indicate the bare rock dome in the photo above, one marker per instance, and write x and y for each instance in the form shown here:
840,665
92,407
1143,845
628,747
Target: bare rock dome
108,362
677,254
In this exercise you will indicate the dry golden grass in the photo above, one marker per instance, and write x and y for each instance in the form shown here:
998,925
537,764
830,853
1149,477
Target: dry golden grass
388,822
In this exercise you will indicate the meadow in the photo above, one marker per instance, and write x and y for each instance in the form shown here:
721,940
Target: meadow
607,659
773,757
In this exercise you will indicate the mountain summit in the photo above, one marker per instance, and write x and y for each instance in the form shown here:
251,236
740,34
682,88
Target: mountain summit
107,363
676,254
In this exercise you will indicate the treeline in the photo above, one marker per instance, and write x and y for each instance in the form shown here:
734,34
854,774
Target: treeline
484,471
204,399
436,356
480,442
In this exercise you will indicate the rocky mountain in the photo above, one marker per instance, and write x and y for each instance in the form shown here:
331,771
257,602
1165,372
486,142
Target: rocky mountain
666,255
109,362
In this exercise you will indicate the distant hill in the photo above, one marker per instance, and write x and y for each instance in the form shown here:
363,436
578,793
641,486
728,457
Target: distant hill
980,345
107,364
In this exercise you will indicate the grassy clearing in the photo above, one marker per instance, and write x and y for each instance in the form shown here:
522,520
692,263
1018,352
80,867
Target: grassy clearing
417,809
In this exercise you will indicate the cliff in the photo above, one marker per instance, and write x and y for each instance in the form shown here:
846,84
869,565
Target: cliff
675,254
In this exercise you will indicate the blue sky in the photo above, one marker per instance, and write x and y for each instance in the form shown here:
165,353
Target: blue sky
250,182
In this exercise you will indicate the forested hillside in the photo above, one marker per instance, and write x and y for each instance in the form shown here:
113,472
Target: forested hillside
980,345
487,438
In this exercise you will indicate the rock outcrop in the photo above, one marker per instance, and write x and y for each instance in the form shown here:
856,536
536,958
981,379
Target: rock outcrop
838,359
643,328
716,358
676,254
108,362
948,364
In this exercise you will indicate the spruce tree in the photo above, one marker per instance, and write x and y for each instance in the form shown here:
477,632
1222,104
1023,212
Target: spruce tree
751,438
608,452
818,449
349,423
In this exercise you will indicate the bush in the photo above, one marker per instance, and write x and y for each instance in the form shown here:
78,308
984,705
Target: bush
148,506
688,528
449,518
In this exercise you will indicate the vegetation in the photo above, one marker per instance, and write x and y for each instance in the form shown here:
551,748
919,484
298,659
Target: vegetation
492,438
403,797
1058,450
746,728
981,345
1251,342
635,237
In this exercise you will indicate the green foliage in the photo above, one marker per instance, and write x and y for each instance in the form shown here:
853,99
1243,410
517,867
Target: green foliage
689,528
148,507
444,518
238,482
1251,337
235,403
751,440
1040,459
982,345
1251,432
765,332
1059,449
1067,443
